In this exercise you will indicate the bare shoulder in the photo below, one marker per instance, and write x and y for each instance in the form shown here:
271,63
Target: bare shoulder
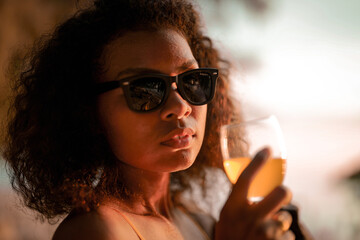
102,224
91,225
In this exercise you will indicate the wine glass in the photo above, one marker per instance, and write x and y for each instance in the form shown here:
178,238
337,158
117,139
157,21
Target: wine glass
239,144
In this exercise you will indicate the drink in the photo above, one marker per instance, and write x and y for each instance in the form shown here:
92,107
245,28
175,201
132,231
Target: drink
270,175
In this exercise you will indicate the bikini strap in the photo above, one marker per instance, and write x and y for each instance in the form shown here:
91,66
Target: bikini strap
131,224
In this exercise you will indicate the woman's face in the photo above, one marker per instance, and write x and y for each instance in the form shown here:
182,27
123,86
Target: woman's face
165,140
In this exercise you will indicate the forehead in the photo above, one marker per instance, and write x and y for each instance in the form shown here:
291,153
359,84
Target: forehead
162,50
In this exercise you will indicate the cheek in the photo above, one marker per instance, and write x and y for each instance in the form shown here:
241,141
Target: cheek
133,139
113,116
127,136
200,116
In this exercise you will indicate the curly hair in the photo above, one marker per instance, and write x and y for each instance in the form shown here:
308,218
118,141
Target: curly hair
58,156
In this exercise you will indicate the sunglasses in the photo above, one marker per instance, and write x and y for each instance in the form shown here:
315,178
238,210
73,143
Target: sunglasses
147,92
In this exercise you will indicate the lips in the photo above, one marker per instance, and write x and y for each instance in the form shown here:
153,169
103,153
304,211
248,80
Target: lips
179,138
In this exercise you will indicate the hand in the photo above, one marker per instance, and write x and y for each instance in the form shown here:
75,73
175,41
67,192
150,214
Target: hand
242,220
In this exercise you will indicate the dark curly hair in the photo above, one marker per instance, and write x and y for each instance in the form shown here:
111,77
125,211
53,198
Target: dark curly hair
58,156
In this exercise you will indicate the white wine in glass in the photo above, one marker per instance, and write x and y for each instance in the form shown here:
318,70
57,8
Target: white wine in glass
239,144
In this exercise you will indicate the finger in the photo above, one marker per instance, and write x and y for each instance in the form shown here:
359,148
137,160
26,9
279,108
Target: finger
284,218
288,235
270,229
240,189
272,203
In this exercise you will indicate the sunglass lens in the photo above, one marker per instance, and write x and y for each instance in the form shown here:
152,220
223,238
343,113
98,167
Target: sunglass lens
197,87
146,93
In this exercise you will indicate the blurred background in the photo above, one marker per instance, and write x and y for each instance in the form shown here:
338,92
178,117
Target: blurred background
299,60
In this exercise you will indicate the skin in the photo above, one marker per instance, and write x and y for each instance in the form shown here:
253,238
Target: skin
137,140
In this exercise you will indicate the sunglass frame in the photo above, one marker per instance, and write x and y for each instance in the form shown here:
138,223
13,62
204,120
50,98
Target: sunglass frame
125,85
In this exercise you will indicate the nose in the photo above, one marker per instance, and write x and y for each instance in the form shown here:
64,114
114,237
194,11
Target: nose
175,106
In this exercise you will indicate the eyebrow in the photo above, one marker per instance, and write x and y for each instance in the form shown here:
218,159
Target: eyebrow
136,71
186,65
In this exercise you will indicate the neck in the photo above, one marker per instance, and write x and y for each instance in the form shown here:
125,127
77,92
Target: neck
150,192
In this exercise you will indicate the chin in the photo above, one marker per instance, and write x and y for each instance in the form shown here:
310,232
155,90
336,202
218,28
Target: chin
184,160
179,160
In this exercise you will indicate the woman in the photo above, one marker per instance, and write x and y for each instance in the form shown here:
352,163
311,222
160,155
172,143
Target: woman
115,115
